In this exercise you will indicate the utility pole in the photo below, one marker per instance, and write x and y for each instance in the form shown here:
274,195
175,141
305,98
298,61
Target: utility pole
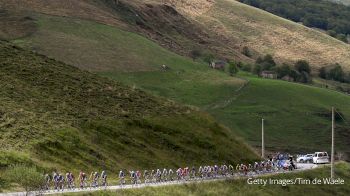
332,152
262,139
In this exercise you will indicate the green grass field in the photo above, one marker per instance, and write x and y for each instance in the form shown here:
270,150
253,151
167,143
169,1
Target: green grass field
97,47
295,114
56,116
240,187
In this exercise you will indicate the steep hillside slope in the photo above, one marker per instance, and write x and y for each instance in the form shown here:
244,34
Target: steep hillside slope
112,51
56,116
296,115
222,27
267,33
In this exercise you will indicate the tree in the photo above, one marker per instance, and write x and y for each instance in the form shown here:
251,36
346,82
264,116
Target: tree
284,70
294,74
259,60
342,38
267,62
232,68
304,77
302,66
208,58
247,67
257,69
332,33
269,59
246,51
347,78
195,54
240,64
27,177
337,73
323,73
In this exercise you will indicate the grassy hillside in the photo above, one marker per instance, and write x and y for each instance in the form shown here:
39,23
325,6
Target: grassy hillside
124,53
296,115
267,33
96,47
222,27
56,116
240,187
120,54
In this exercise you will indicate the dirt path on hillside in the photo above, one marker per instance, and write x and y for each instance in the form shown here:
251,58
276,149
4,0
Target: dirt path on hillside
224,103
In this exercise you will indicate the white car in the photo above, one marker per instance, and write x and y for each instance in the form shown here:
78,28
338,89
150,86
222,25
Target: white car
321,157
308,158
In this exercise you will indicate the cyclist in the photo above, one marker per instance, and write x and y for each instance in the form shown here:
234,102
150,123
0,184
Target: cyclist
104,179
121,178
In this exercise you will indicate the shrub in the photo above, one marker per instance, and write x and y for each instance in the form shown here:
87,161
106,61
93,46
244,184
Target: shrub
195,54
208,58
302,66
232,68
323,73
304,77
266,63
27,177
246,51
247,67
342,38
283,70
336,73
257,69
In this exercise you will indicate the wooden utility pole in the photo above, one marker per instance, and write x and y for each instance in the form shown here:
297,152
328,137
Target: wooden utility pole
262,139
332,150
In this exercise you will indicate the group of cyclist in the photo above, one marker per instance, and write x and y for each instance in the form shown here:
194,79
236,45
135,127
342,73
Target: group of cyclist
60,182
95,179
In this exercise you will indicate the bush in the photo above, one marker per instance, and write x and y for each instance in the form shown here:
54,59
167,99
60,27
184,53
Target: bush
302,66
336,73
232,68
266,63
27,177
332,33
246,51
342,38
295,75
283,70
347,78
195,54
208,58
323,73
247,67
257,69
304,77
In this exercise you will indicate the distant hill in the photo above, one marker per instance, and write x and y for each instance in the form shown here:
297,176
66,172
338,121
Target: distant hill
55,116
221,27
113,42
323,14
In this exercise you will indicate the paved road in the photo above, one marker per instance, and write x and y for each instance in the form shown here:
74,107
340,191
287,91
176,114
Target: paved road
300,166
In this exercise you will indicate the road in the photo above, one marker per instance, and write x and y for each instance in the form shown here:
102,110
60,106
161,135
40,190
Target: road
300,166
